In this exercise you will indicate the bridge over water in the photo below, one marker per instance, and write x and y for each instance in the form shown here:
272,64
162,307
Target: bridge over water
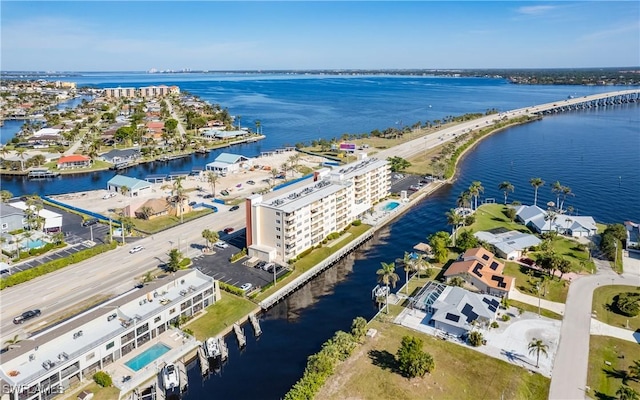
584,103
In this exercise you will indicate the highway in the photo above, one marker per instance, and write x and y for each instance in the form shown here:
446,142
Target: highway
110,273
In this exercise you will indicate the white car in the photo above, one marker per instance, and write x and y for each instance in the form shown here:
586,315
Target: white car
246,286
221,244
136,249
108,195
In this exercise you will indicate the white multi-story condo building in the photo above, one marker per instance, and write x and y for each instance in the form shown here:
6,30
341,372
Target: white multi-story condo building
283,224
121,92
50,361
158,91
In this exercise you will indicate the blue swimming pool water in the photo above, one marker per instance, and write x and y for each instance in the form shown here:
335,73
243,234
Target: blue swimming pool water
390,206
35,244
142,360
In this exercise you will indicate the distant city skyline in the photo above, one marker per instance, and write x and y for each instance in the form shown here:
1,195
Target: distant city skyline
255,35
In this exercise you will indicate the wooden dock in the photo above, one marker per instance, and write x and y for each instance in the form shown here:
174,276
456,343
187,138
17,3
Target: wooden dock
256,325
242,340
224,350
204,362
184,381
160,393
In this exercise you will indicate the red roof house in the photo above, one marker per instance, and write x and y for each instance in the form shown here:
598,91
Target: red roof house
74,161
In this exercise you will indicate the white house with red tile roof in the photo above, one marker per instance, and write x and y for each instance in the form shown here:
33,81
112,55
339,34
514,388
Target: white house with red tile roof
74,161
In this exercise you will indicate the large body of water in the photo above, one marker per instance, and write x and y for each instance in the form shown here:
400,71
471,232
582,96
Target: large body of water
596,153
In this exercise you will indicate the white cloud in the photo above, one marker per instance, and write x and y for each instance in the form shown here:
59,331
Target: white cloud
616,31
535,10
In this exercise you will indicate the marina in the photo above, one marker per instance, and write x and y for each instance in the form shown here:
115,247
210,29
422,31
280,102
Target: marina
42,173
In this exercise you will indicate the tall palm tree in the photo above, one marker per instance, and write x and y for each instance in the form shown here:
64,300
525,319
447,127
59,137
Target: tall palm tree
536,183
557,189
551,216
258,127
506,187
125,190
408,264
566,192
625,392
475,189
9,343
536,347
212,178
387,274
20,153
455,220
464,199
179,196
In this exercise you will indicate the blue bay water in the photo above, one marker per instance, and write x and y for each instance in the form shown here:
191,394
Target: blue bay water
596,153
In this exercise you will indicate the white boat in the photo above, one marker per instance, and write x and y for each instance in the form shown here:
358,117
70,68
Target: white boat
170,377
212,348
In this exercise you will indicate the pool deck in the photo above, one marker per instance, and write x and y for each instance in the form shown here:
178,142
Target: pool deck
180,346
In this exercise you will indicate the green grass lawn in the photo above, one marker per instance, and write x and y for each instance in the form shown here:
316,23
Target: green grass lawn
95,165
534,309
99,393
167,221
556,290
605,380
220,315
603,299
490,216
570,250
460,373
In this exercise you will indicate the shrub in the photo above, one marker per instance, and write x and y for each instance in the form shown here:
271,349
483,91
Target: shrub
412,360
231,289
494,324
475,338
628,303
185,262
103,379
505,317
357,222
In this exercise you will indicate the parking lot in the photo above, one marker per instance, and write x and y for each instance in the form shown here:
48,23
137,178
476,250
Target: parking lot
400,182
219,267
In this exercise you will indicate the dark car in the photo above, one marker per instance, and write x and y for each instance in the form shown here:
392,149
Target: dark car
25,316
90,222
251,183
224,193
228,230
234,208
193,203
207,196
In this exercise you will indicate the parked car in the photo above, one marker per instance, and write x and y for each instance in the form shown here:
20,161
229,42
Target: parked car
251,183
246,286
193,203
109,195
221,244
224,193
136,249
268,267
25,316
228,230
234,208
89,222
207,196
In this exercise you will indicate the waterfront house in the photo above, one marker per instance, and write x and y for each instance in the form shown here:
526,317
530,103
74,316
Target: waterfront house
509,245
134,187
222,135
480,269
61,355
12,218
543,221
47,132
284,223
455,310
121,156
154,129
227,163
74,161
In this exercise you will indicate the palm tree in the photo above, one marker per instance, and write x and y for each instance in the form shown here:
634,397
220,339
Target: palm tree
274,173
455,220
293,162
13,342
536,347
457,281
557,189
475,189
258,126
6,196
506,187
464,199
536,183
387,274
124,190
551,216
210,236
408,263
212,178
145,212
20,153
566,192
58,237
179,196
625,392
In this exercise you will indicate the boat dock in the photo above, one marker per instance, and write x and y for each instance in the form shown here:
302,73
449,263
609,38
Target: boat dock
42,173
184,380
224,350
204,361
256,325
160,393
242,340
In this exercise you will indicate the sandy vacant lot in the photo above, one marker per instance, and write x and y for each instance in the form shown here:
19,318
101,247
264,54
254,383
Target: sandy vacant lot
235,184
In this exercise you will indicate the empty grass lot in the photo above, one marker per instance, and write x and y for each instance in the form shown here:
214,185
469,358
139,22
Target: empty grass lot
605,380
556,290
99,393
167,221
491,216
460,373
603,299
220,315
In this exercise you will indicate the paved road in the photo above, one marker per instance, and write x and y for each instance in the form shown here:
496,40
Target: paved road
111,273
572,359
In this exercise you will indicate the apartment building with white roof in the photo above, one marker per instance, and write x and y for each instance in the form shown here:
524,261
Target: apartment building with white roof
283,224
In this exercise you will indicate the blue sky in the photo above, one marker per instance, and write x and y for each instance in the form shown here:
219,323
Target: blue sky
211,35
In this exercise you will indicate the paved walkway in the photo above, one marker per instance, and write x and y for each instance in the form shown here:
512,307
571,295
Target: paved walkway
601,329
557,308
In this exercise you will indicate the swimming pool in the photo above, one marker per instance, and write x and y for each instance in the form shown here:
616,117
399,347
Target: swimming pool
33,244
390,206
143,359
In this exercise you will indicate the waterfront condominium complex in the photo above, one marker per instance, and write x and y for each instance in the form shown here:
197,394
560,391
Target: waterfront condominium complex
53,359
286,222
147,91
